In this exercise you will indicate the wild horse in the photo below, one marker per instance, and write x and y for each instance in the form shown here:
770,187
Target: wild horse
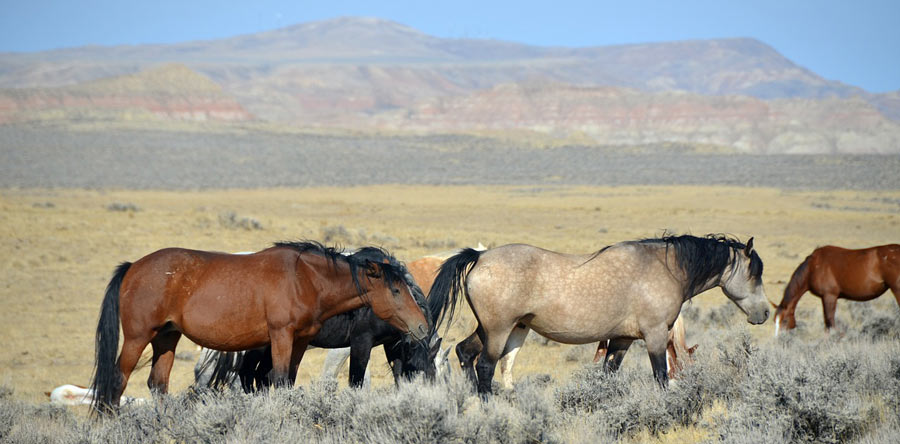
627,291
278,296
360,330
833,272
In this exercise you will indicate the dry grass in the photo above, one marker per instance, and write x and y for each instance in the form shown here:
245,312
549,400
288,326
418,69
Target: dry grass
60,247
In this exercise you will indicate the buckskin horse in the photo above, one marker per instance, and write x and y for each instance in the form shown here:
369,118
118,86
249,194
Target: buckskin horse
833,272
627,291
279,296
678,354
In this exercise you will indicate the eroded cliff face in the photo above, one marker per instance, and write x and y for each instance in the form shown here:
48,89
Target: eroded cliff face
170,92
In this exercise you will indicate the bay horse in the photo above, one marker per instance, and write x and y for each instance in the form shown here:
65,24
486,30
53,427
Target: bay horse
833,272
359,330
627,291
279,296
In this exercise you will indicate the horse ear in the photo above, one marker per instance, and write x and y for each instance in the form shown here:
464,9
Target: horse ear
749,247
373,269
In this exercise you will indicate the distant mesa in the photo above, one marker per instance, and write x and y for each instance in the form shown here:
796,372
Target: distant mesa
373,74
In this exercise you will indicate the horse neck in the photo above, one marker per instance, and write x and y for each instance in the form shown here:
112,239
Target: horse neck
334,285
715,281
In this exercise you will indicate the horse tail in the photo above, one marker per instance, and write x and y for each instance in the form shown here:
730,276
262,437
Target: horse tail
107,380
217,369
449,284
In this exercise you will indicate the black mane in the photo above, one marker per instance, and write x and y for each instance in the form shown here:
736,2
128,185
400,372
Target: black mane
368,258
703,258
393,271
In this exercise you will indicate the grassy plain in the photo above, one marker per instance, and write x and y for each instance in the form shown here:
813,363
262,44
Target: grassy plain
60,246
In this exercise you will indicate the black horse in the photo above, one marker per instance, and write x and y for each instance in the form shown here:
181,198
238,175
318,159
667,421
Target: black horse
359,329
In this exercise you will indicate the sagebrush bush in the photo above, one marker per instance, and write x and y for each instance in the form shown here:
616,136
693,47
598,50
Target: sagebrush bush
796,388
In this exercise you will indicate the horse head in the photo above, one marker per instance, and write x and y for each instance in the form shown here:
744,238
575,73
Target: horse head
744,286
394,296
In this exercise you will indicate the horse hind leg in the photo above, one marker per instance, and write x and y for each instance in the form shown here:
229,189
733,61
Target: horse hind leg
163,357
132,348
513,345
615,353
494,345
467,350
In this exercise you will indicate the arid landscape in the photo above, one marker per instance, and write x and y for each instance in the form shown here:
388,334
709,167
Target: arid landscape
358,132
64,243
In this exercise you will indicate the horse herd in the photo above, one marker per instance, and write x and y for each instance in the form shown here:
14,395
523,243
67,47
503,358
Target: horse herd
259,312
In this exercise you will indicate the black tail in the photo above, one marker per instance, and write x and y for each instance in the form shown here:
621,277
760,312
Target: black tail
217,369
449,284
107,381
798,285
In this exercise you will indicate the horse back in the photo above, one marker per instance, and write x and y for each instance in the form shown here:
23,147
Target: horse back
199,290
570,298
852,273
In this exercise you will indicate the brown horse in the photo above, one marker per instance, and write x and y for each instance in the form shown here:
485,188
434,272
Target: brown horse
833,272
279,296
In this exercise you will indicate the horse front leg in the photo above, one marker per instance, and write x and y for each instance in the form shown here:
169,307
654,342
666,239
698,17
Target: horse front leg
360,352
657,341
297,352
829,304
282,347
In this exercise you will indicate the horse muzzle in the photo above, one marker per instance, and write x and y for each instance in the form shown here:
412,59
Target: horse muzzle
758,317
419,333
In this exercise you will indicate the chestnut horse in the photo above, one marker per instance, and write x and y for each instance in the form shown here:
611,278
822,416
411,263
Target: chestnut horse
833,272
279,296
627,291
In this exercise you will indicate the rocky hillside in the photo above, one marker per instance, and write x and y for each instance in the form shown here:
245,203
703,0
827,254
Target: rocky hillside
171,92
372,73
621,116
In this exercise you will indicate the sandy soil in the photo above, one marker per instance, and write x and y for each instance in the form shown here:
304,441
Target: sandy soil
60,246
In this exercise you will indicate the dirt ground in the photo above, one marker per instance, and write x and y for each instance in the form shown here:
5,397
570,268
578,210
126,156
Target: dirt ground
60,247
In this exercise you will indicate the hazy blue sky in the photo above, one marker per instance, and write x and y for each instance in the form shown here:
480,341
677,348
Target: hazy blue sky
856,42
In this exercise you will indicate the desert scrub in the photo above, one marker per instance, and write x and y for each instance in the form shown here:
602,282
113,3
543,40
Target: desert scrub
740,389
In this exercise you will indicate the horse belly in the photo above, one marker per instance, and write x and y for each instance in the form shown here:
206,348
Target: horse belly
580,328
238,325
